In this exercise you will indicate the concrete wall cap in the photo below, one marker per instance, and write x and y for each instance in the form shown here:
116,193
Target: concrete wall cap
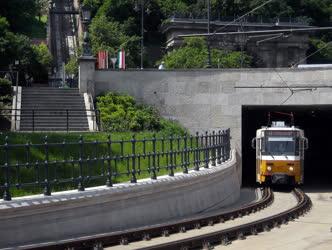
147,185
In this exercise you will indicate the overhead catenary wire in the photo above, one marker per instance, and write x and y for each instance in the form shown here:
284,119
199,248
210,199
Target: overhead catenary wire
259,31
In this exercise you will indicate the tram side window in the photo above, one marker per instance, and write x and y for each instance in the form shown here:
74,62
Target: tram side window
297,146
263,144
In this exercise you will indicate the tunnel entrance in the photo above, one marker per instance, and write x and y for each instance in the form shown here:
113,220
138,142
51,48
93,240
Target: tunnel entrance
315,120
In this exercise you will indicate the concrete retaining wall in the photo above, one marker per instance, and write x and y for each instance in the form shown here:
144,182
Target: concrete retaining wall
212,99
69,214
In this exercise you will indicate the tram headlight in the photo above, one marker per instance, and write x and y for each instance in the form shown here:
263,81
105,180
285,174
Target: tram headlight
291,169
269,168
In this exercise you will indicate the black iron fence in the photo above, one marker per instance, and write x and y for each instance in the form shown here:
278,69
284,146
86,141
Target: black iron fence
302,21
41,119
46,167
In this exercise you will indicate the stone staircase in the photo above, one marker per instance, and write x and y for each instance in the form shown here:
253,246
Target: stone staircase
52,109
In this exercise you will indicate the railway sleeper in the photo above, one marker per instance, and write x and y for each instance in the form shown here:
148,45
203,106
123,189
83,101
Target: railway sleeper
165,233
207,245
253,231
146,237
240,236
266,228
276,223
124,241
225,240
98,246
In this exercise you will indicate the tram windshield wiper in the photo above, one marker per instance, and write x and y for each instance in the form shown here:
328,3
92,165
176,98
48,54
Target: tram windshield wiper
284,154
270,154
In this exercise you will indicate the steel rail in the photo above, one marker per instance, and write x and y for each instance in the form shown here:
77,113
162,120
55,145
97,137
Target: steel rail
225,236
145,233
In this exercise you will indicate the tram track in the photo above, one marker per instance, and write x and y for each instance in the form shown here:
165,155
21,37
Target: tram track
287,210
202,231
148,232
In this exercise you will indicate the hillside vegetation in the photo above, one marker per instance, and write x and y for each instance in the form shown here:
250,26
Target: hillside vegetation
116,23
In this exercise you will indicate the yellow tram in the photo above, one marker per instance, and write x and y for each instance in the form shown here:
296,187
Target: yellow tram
280,154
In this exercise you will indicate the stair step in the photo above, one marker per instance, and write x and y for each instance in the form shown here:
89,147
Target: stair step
49,89
50,107
54,129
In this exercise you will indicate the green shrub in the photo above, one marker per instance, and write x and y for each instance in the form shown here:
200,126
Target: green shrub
169,127
119,112
5,87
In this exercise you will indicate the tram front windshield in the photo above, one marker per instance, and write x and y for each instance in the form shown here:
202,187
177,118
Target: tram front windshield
280,145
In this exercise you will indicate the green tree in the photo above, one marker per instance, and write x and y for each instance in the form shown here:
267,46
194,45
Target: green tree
322,51
170,7
194,54
110,36
19,13
43,55
72,66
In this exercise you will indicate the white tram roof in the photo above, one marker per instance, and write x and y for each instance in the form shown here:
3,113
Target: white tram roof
285,128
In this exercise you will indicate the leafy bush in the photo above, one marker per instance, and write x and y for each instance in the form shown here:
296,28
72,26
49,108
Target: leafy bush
170,127
5,87
119,112
194,54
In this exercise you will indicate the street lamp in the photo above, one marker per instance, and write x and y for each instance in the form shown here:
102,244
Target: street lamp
208,30
86,14
86,17
137,8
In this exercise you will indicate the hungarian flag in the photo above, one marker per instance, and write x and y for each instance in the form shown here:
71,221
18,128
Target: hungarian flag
122,59
102,59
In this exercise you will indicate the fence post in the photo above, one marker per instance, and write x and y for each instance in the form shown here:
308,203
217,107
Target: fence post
6,194
206,150
213,148
16,111
184,158
196,155
133,160
171,173
154,176
109,167
219,148
47,188
223,150
228,143
190,151
33,120
67,119
80,185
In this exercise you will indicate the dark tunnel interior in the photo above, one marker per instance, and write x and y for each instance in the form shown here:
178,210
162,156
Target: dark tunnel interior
316,120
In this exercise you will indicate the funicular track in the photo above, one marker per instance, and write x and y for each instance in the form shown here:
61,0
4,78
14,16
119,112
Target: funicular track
204,241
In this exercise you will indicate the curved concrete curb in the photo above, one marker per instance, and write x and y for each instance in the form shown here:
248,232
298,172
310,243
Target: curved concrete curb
38,219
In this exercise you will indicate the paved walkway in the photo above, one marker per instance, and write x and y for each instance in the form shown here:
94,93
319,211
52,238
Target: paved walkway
313,231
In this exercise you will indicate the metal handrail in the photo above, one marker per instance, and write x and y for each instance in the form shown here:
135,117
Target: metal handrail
53,113
89,163
249,19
